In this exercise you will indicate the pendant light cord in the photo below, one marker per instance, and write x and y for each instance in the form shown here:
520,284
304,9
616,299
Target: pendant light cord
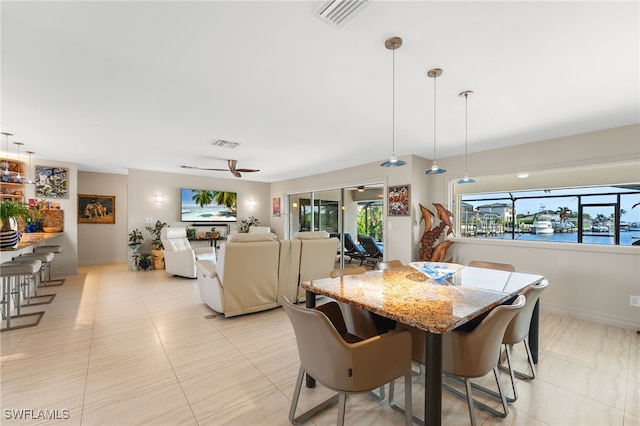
434,117
393,103
466,132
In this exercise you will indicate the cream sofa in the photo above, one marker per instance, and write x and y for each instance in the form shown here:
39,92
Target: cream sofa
252,270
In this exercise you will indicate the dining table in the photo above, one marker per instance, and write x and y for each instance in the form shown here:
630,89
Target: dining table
434,297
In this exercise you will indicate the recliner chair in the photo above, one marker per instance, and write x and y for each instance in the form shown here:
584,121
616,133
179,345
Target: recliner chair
179,257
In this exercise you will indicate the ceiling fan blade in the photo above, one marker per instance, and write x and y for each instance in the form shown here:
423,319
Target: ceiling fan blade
202,168
247,170
236,174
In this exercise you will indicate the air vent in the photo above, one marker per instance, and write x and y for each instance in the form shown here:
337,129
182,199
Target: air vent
338,12
225,144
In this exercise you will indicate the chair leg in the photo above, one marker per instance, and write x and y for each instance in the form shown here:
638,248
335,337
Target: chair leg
472,415
408,401
310,413
511,375
342,404
499,395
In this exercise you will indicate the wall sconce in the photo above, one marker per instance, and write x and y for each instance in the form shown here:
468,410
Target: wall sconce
157,198
294,205
252,203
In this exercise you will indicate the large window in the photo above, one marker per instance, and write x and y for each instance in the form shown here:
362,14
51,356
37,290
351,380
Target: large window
590,215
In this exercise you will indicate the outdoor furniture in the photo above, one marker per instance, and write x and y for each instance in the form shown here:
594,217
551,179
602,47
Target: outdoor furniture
373,253
352,249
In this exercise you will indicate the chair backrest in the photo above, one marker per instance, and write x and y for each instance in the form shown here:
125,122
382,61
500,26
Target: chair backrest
475,354
492,265
174,238
350,245
389,264
369,245
348,271
317,254
518,328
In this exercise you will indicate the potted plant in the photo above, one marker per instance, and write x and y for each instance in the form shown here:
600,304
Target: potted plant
156,242
135,241
248,223
12,211
144,261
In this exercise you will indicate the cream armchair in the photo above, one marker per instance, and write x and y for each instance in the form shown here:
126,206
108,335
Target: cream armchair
179,257
245,277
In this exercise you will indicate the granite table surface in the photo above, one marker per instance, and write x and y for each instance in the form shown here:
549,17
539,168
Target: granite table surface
411,297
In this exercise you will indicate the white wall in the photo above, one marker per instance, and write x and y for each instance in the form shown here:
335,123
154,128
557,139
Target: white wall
97,243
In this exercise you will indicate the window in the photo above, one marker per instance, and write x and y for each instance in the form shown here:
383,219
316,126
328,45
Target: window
589,215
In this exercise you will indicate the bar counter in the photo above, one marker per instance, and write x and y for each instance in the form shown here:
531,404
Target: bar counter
29,240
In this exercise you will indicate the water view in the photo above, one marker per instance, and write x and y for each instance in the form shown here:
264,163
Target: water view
626,238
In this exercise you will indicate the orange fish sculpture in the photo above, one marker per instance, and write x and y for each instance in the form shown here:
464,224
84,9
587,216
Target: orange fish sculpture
429,253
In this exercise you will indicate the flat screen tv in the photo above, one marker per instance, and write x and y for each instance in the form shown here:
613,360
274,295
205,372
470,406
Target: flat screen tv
208,206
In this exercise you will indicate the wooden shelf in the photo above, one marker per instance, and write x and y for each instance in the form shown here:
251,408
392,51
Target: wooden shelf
12,190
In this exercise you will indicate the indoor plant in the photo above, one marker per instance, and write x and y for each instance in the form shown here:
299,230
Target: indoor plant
248,223
12,211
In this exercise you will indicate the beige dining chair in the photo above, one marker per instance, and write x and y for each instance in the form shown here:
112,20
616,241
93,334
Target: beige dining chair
469,355
518,331
359,321
492,265
475,354
389,264
343,362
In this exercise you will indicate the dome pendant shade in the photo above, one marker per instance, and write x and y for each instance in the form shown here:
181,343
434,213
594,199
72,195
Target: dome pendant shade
466,179
392,44
434,170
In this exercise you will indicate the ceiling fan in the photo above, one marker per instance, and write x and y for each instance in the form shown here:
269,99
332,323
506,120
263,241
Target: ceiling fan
232,168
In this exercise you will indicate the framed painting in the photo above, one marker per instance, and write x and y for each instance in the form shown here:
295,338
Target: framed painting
96,208
276,207
400,200
52,182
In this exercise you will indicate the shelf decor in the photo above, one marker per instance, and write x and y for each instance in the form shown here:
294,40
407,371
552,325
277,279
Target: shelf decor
52,182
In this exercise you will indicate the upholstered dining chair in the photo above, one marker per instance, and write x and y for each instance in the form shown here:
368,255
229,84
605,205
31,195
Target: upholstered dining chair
359,321
475,354
492,265
343,362
389,264
518,331
469,355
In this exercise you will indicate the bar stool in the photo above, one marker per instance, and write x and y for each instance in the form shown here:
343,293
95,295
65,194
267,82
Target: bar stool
55,249
45,271
12,273
36,299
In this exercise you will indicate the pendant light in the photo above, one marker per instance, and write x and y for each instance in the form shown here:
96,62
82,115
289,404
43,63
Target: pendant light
392,44
6,144
434,170
466,179
18,178
30,180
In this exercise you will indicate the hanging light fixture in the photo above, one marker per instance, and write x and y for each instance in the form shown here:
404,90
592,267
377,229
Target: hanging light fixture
30,180
6,143
18,178
434,74
466,178
392,44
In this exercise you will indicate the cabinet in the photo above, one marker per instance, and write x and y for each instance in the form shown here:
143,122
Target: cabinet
12,188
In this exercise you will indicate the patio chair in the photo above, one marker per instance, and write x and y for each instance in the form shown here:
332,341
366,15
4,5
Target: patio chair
373,255
352,249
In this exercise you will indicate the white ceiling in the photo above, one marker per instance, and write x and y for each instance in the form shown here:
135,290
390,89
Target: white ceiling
150,85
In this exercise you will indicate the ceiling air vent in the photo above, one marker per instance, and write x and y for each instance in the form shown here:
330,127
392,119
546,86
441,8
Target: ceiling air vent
225,144
338,12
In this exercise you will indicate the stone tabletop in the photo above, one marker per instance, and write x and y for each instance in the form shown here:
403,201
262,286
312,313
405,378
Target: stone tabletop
411,297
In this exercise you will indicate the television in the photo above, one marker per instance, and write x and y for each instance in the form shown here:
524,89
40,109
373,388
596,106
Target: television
208,206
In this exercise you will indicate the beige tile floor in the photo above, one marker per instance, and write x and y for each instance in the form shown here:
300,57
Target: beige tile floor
138,348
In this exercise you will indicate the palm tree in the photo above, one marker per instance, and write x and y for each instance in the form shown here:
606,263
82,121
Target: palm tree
564,213
202,197
227,199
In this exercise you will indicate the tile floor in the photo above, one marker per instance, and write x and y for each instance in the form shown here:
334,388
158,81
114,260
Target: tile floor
138,348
